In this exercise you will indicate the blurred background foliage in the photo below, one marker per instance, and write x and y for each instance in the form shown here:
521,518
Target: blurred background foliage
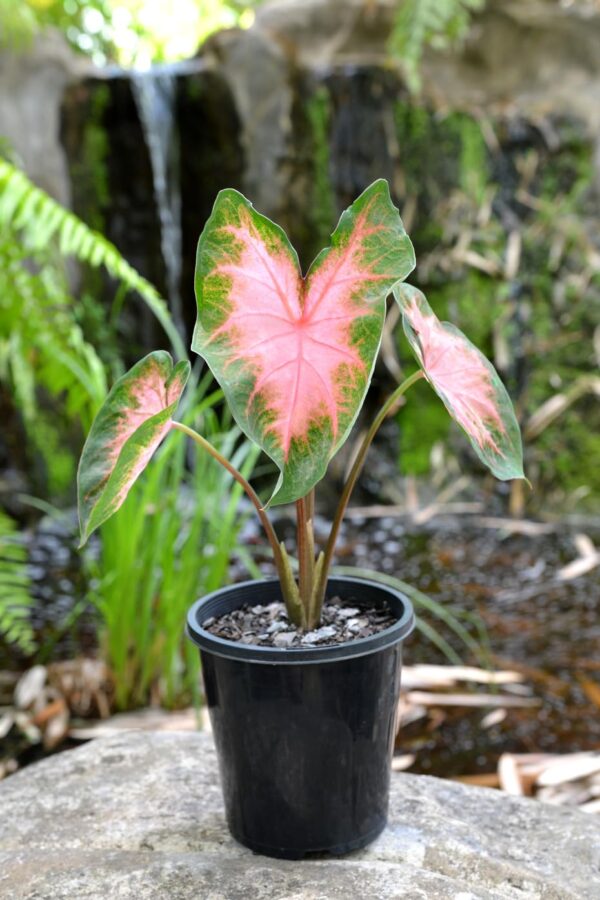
503,229
521,274
175,536
126,32
142,32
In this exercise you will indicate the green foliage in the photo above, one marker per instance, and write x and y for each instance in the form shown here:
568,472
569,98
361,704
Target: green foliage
132,422
536,321
422,23
289,403
89,172
15,596
323,199
444,160
29,210
18,24
57,378
439,152
419,432
170,542
135,32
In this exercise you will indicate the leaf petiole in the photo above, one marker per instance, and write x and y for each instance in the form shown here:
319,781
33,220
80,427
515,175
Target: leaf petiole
251,493
355,472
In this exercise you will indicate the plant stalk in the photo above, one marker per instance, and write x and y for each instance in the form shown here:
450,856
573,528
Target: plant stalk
306,554
353,476
253,496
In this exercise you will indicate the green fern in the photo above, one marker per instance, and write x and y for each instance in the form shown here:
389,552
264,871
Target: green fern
56,379
436,23
40,219
15,594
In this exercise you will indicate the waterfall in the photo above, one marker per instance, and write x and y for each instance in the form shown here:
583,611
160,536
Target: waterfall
154,93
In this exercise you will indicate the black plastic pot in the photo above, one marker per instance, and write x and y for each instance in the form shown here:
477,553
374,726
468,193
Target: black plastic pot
304,737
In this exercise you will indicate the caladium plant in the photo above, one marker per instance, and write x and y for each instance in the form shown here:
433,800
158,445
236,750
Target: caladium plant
294,356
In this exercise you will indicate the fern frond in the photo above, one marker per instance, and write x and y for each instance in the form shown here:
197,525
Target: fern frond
44,357
40,219
419,23
15,588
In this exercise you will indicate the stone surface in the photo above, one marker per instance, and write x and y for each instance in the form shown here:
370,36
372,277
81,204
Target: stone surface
140,816
537,56
305,109
258,74
32,82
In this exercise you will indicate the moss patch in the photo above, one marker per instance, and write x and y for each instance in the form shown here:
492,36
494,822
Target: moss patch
323,209
535,322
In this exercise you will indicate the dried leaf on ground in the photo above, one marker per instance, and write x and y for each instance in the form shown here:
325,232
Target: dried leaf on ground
431,699
591,689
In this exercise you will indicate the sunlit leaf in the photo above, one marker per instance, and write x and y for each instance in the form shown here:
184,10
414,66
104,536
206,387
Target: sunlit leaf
466,382
295,355
134,419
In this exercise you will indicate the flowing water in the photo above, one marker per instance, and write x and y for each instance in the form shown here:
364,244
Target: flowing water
155,96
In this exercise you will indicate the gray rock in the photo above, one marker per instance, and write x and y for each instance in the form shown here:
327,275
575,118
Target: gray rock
32,82
552,47
140,816
323,32
259,77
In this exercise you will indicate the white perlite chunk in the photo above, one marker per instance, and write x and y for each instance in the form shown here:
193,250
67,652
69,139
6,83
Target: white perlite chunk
319,634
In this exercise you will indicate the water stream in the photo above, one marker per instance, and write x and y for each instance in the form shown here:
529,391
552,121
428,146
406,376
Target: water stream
154,92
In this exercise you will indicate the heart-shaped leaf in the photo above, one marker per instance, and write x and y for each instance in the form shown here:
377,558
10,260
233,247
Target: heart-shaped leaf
132,422
466,382
295,355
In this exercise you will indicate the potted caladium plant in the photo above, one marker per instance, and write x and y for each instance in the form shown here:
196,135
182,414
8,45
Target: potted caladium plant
303,713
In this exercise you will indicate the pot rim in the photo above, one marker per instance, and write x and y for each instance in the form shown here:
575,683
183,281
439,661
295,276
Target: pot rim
291,656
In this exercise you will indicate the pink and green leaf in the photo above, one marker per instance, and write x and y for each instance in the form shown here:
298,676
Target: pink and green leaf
130,425
295,355
466,382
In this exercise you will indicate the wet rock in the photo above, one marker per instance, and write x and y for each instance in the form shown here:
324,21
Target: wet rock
32,82
553,49
113,183
141,816
257,71
324,31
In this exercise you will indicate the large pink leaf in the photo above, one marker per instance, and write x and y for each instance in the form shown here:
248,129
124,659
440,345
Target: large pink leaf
295,355
132,422
466,382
